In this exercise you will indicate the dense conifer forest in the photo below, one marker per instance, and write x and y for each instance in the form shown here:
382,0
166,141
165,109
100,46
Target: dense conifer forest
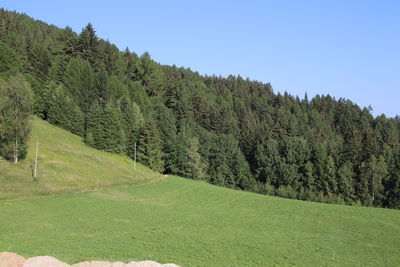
228,131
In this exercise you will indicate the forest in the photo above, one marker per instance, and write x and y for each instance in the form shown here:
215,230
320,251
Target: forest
229,131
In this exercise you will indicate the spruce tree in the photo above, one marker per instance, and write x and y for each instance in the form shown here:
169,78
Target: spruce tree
62,110
9,63
80,81
195,168
149,148
87,45
345,176
133,122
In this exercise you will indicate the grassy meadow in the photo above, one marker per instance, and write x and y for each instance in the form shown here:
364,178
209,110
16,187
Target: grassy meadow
66,164
196,224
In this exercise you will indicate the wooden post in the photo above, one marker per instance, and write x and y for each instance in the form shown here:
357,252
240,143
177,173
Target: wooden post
36,158
134,160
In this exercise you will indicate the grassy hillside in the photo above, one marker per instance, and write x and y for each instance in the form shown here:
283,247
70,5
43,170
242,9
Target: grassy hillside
66,164
196,224
172,220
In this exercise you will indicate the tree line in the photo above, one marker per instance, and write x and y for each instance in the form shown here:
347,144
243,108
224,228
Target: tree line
228,131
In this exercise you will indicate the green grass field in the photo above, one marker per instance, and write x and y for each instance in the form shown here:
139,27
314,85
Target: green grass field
196,224
66,164
174,220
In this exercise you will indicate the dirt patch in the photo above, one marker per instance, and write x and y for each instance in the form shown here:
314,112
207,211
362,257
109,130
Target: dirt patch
44,261
8,259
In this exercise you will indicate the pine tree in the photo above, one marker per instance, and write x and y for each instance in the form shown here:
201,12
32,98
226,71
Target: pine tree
57,69
195,169
133,122
87,45
104,128
267,162
80,81
39,61
345,176
102,91
9,63
62,110
39,96
150,74
149,150
172,147
373,175
392,183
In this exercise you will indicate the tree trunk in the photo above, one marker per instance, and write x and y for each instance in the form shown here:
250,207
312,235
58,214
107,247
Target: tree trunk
16,151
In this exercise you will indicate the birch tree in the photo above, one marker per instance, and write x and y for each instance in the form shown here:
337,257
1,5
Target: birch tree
15,108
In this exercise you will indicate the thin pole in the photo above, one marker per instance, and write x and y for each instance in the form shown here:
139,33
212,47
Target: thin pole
134,162
36,158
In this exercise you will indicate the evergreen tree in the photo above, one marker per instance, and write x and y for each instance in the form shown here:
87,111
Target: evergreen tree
39,96
345,176
57,69
102,91
373,175
63,112
320,165
9,63
195,169
87,45
150,74
392,184
80,81
149,150
133,122
39,61
104,128
173,147
267,163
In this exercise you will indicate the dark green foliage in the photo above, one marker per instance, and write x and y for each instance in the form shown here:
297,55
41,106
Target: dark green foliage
172,147
113,59
138,94
15,108
392,184
195,168
104,128
62,110
149,150
57,69
268,162
373,175
133,122
39,96
345,176
102,90
79,79
9,63
39,61
87,46
150,74
227,165
229,131
116,88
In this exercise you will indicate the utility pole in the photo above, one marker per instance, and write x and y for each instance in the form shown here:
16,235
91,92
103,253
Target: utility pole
134,160
36,158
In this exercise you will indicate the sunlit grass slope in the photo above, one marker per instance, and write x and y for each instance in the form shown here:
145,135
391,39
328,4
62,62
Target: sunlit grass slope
196,224
65,164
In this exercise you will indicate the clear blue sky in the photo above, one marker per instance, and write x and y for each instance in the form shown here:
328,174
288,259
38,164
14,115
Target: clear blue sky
348,48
